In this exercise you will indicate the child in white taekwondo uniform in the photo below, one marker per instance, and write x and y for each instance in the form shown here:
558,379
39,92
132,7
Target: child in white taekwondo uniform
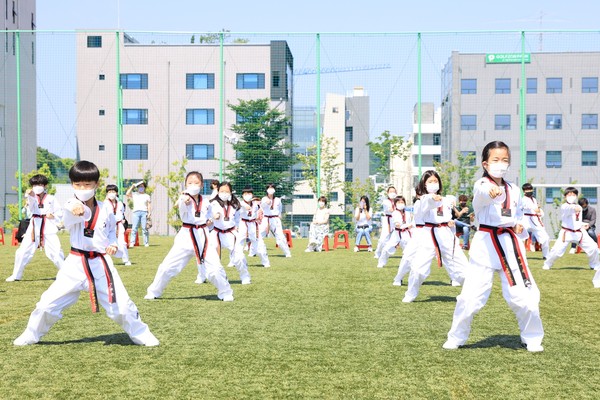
248,228
117,207
225,211
418,236
388,206
88,267
441,241
45,214
272,208
191,240
403,224
496,248
572,232
532,219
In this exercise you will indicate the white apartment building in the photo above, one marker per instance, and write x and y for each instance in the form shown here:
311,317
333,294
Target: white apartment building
171,106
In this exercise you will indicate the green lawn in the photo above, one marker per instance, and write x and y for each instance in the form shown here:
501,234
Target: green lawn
326,325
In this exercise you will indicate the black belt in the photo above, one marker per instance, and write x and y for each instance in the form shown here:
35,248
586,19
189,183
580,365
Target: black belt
90,255
199,256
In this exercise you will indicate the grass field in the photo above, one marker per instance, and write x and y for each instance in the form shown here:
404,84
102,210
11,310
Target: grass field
316,326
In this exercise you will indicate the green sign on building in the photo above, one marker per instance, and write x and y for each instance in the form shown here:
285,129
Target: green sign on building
507,58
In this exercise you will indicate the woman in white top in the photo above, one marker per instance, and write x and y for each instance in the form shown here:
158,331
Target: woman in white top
141,211
362,216
319,227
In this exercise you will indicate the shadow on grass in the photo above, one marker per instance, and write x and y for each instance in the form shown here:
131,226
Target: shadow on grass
38,280
576,268
506,341
436,283
210,297
121,339
443,299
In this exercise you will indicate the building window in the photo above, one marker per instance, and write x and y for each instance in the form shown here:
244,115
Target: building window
101,112
275,78
135,152
134,81
468,122
472,155
437,139
349,155
349,175
101,77
333,196
199,81
503,86
437,158
349,134
552,193
135,116
239,119
553,159
532,85
250,81
589,158
589,85
589,121
297,174
200,116
200,151
553,85
468,86
591,194
553,121
101,147
531,121
94,41
531,160
502,122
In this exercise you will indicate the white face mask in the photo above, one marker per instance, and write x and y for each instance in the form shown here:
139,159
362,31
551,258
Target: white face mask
225,196
111,196
497,170
392,195
193,189
432,188
321,204
247,198
400,206
571,199
271,191
85,195
141,189
38,189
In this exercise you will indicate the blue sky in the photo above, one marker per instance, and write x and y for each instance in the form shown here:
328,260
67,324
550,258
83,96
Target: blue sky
317,16
392,92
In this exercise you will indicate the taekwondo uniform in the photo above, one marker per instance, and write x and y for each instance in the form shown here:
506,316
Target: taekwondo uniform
271,221
191,240
386,225
249,230
532,223
88,268
118,209
441,243
40,233
419,235
497,248
402,223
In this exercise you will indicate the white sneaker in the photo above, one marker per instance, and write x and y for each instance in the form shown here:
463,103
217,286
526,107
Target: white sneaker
288,256
199,281
450,345
230,264
246,281
308,250
127,263
267,266
380,265
146,245
572,251
370,249
11,279
149,297
455,283
407,299
535,348
546,267
396,283
153,342
376,256
131,246
23,341
228,298
356,249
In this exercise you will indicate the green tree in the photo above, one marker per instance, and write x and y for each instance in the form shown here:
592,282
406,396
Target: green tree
330,177
263,155
59,166
15,208
458,178
384,149
174,183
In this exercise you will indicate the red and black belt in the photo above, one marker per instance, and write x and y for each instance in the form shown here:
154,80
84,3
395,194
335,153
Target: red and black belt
43,218
86,256
537,216
199,255
494,232
248,230
571,230
400,230
219,231
436,244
